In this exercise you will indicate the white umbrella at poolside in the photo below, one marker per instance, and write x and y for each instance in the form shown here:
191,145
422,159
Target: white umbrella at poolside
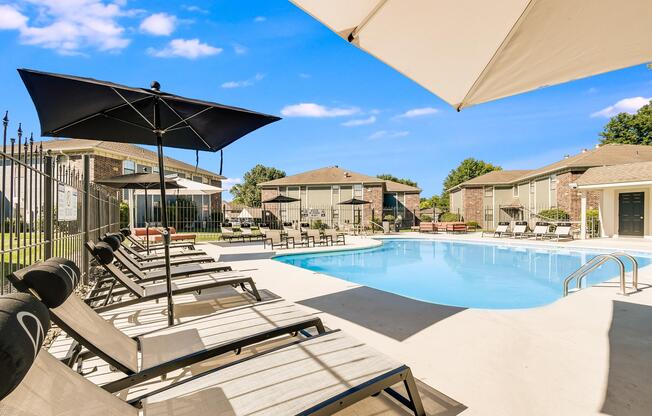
191,188
245,215
473,51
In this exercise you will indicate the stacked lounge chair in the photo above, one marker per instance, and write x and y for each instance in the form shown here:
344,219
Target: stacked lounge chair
520,229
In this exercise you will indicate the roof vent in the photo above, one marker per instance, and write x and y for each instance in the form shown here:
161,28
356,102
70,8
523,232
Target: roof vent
597,146
585,150
347,174
566,156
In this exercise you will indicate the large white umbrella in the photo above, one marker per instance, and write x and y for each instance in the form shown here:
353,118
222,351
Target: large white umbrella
189,187
244,214
472,51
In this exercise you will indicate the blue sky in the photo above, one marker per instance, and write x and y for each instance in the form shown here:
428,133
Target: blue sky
339,105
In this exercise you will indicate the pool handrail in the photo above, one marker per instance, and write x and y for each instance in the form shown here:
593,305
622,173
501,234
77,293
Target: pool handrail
580,274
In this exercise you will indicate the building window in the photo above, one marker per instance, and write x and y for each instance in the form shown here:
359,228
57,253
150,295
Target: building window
488,215
128,166
357,191
532,187
197,179
515,191
488,191
553,182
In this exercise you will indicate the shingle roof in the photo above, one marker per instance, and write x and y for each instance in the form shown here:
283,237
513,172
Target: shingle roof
628,172
605,155
336,175
125,150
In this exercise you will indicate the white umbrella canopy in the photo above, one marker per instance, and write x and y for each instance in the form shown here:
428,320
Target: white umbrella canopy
244,214
188,187
472,51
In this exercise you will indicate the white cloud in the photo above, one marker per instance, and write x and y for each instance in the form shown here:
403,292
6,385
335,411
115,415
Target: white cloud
185,48
626,105
360,122
159,24
240,49
68,26
384,134
228,183
418,112
245,83
10,18
260,19
317,110
194,9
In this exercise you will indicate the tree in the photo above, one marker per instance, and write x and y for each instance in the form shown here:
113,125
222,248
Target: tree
248,192
627,128
468,169
388,177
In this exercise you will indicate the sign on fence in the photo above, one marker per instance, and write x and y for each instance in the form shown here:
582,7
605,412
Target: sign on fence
67,206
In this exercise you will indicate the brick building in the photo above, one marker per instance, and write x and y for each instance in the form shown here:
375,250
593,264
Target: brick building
320,191
110,159
512,195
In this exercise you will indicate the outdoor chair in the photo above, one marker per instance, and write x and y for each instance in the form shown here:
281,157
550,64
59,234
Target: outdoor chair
142,245
520,229
274,239
155,351
248,234
315,236
229,235
103,296
319,375
541,229
563,230
334,237
158,256
115,244
501,230
263,230
288,226
297,238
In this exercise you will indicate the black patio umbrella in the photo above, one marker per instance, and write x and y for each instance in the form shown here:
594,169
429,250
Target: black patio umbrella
355,202
70,106
282,199
143,181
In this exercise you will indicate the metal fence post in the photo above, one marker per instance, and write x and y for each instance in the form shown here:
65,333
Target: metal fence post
48,204
86,214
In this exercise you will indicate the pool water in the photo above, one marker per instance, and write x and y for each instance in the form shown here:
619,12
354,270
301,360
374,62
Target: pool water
472,275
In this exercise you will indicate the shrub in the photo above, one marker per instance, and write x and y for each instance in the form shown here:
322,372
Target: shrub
426,218
389,218
124,214
449,217
553,214
318,225
473,224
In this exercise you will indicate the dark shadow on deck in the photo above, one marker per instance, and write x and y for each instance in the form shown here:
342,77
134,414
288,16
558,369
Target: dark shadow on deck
629,387
247,256
392,315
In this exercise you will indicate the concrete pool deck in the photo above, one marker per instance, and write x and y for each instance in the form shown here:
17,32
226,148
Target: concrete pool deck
589,353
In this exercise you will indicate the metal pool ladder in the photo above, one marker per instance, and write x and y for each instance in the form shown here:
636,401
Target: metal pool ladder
580,274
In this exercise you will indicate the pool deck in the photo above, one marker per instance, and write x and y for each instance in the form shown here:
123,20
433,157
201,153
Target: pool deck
589,353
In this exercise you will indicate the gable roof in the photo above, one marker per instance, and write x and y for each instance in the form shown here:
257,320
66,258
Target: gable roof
624,173
605,155
124,151
334,175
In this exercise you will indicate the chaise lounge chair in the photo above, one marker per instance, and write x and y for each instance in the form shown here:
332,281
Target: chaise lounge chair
157,351
103,253
501,230
334,237
320,376
141,246
563,230
273,238
520,229
541,229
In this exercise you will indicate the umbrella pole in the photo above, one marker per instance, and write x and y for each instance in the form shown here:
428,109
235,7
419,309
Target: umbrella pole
146,222
164,214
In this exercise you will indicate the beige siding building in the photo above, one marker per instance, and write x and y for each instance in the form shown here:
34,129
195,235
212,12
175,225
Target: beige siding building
320,192
521,194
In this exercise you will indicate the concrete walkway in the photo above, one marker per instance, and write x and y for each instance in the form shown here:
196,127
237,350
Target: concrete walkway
589,353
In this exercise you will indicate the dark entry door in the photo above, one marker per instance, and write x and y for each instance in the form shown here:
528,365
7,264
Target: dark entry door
631,209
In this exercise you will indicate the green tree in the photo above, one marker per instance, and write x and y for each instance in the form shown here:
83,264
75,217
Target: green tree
468,169
627,128
248,192
388,177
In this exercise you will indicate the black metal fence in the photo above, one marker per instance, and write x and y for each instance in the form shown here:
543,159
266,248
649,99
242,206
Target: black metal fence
48,205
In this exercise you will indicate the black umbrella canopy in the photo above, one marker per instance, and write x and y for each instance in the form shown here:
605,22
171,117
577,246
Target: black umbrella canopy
77,107
280,199
137,181
354,201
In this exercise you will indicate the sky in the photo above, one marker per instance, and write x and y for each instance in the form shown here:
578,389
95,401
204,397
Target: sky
339,105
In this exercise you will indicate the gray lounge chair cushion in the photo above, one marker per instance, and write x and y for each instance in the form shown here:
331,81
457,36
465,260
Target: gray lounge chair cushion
50,282
103,252
24,321
118,235
112,241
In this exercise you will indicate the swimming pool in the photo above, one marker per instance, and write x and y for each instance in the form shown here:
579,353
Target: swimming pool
473,275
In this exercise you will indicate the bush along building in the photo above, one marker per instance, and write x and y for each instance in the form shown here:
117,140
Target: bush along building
319,193
555,191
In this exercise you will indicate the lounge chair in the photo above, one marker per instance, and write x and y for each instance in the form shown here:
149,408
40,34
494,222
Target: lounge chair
248,234
520,229
297,238
115,244
156,351
158,256
141,245
263,229
320,375
456,227
229,235
103,253
316,237
501,230
563,230
427,227
288,226
334,237
274,239
541,229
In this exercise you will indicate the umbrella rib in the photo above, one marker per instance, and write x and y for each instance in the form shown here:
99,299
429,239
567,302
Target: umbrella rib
186,119
366,20
189,126
127,122
133,108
